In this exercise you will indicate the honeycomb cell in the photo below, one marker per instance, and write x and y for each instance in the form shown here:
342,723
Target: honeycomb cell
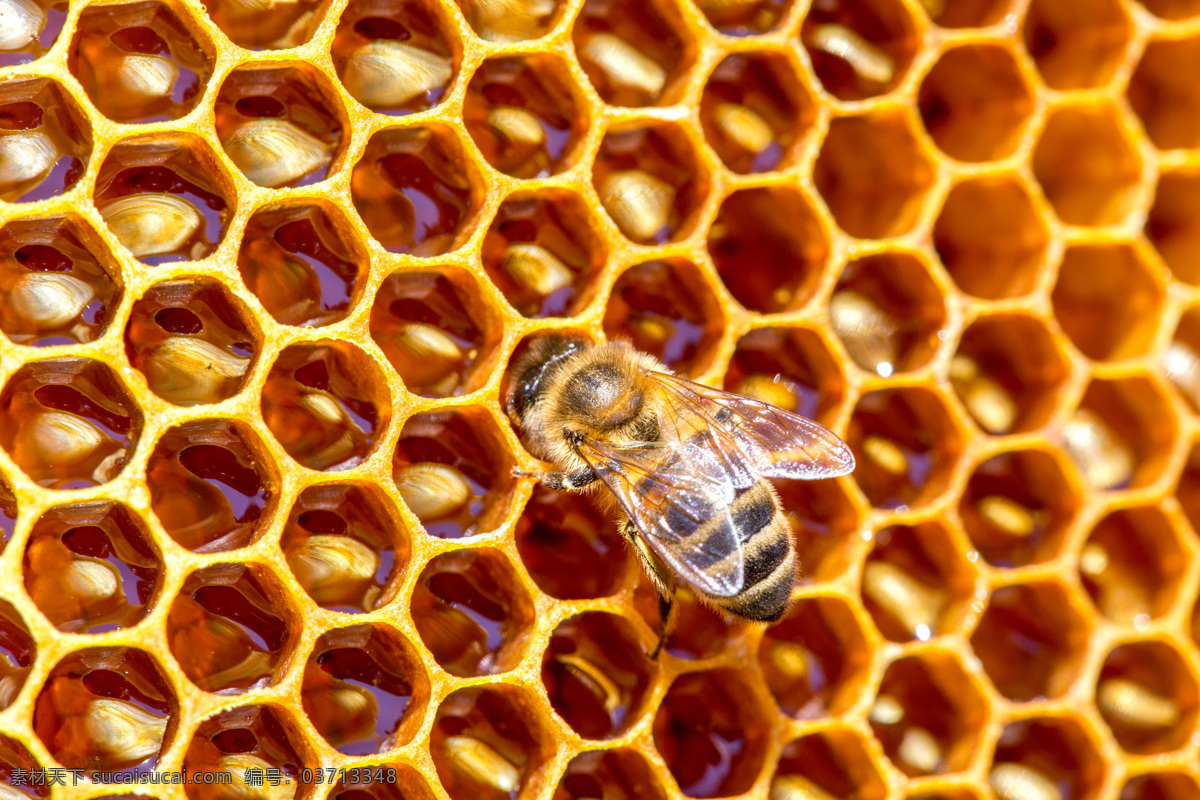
712,732
1147,696
634,53
1031,640
1052,753
1173,222
815,659
1086,165
239,742
791,368
486,743
396,56
228,629
59,284
1077,44
280,123
1008,372
525,115
859,48
755,108
700,631
570,547
833,762
619,774
975,102
1107,300
190,340
666,309
164,198
873,174
105,709
45,141
823,520
364,689
454,472
1160,786
769,247
344,544
1188,490
210,487
543,253
967,13
266,26
33,27
472,612
18,649
1164,99
1132,564
303,263
68,423
991,238
1016,507
511,20
905,444
388,782
1180,362
888,313
91,568
416,190
139,62
596,674
915,583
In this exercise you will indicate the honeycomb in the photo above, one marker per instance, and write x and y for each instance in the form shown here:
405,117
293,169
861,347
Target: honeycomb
264,265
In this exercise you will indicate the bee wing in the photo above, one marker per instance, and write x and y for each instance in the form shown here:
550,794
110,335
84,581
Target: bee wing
677,495
760,439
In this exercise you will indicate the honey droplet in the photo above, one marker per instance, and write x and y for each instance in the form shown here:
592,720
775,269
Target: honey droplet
1008,515
186,371
482,763
20,23
48,300
863,57
1019,782
868,333
987,401
432,491
1182,367
886,454
239,765
388,74
431,358
146,76
56,437
536,268
750,131
516,125
152,223
509,20
797,787
333,569
25,158
1105,460
920,750
887,710
125,732
275,152
592,677
639,203
769,389
624,64
915,605
1134,704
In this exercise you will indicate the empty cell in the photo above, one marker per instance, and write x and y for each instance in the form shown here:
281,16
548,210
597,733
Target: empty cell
1147,695
1108,300
14,757
1077,44
68,423
859,48
1132,565
241,739
59,284
834,762
769,247
266,26
618,774
1055,754
511,20
570,546
45,141
1160,786
209,485
1165,100
966,13
1173,222
17,653
33,27
634,53
190,340
823,520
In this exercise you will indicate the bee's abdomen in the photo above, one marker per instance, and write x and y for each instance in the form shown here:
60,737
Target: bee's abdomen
769,560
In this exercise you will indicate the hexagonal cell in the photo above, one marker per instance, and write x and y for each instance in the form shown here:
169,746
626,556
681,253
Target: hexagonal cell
33,27
190,340
823,520
139,62
791,368
345,546
666,309
815,659
888,312
570,547
634,53
58,282
454,472
209,486
967,13
228,630
596,674
472,612
1047,754
1148,697
416,190
905,444
276,26
16,766
1160,786
1162,96
45,141
1031,640
68,423
1173,224
543,251
755,108
859,48
619,774
386,782
833,762
106,709
326,403
524,114
1077,44
486,745
238,741
1120,436
1132,564
1016,507
164,198
1108,300
1087,165
991,238
364,689
396,56
975,102
281,124
873,175
915,582
701,632
769,247
17,653
91,568
511,20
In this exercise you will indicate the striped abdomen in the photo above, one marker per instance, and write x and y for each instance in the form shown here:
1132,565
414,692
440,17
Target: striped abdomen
769,560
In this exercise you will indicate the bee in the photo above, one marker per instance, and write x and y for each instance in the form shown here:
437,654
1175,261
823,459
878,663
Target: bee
686,464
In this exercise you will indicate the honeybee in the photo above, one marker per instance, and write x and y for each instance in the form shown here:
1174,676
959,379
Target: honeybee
686,464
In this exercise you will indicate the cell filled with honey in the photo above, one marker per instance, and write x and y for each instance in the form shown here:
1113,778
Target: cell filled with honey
33,28
1046,754
1132,565
16,764
829,763
266,26
859,49
18,649
634,54
617,774
1077,45
1147,695
791,368
570,547
45,142
244,743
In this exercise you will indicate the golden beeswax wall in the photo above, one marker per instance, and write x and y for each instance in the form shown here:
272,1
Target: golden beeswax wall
263,267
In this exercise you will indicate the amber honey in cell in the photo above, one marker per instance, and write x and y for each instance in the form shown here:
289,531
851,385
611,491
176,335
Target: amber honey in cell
44,143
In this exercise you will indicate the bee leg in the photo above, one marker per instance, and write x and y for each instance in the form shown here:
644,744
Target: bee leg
664,584
558,480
